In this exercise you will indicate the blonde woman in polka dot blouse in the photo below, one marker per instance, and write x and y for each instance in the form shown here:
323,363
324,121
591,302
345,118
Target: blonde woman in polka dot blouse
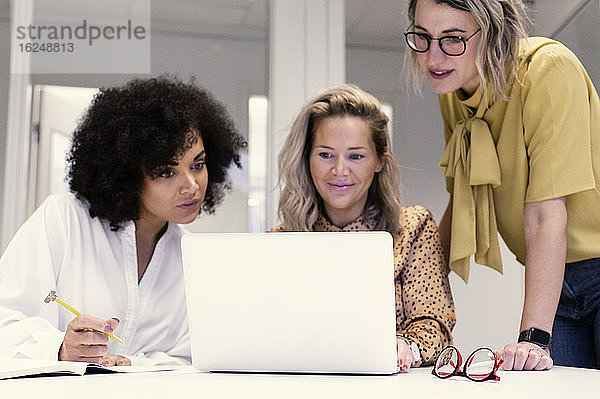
337,173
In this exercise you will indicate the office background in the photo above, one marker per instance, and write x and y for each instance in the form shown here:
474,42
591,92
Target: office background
263,59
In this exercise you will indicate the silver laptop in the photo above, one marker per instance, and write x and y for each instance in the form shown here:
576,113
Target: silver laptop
291,302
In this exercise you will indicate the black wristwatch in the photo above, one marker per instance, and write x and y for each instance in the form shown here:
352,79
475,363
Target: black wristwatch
536,336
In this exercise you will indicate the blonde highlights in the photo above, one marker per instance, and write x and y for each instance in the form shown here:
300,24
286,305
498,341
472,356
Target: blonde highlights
299,203
502,27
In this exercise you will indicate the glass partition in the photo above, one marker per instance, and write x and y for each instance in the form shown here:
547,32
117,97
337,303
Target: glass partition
223,45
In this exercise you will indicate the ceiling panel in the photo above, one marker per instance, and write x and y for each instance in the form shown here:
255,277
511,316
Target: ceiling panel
243,19
550,15
67,10
199,12
377,23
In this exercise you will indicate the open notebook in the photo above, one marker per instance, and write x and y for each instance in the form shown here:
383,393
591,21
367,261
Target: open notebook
15,368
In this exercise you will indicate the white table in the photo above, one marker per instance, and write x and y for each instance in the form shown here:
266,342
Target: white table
560,382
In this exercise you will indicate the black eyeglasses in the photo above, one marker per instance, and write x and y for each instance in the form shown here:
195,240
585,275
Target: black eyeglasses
450,45
481,365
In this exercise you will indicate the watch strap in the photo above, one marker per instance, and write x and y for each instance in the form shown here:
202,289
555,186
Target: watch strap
536,336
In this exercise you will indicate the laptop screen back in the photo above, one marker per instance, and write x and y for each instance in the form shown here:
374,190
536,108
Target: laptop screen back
291,302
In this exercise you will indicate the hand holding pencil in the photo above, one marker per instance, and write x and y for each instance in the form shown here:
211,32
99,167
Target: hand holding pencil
86,337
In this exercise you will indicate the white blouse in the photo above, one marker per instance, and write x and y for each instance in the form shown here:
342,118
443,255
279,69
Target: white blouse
94,269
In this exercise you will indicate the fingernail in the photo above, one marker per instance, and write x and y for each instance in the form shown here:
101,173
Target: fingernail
405,367
114,318
105,362
119,362
400,362
108,328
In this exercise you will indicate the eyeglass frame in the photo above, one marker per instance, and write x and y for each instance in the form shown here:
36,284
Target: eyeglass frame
439,39
462,373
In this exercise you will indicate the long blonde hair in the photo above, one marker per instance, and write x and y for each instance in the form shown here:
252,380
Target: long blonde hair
502,26
299,203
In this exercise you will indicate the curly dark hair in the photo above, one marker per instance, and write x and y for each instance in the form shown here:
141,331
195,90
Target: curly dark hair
134,131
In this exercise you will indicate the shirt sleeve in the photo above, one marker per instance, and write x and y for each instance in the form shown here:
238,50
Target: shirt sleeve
556,121
427,314
27,324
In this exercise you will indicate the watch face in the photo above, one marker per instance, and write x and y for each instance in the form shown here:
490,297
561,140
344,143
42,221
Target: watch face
415,351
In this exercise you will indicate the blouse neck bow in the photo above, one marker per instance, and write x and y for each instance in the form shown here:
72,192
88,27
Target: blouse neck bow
471,161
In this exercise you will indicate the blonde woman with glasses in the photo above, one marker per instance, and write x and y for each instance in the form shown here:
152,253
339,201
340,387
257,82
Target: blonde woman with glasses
522,127
337,173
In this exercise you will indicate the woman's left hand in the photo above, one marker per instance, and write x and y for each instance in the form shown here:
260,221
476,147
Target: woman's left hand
525,356
405,357
115,360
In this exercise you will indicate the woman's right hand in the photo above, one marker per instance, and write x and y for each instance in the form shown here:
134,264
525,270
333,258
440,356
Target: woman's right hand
83,342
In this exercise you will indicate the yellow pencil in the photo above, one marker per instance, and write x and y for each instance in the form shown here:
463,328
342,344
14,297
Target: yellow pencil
53,298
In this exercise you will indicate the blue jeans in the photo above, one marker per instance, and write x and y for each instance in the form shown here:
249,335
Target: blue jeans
576,330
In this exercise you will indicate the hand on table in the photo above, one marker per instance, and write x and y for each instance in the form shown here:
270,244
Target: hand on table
405,357
83,342
115,360
525,356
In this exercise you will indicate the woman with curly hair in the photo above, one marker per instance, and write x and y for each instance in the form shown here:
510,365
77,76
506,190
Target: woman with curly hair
145,157
522,128
337,173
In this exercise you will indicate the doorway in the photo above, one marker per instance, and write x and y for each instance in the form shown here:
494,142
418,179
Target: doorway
56,111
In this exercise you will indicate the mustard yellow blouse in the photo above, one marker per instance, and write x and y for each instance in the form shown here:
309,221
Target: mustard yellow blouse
424,306
543,143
